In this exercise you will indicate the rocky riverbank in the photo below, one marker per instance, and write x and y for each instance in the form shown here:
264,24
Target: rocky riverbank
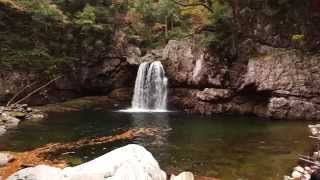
11,116
309,168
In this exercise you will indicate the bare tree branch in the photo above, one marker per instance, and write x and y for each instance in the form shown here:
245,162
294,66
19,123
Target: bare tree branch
36,90
19,92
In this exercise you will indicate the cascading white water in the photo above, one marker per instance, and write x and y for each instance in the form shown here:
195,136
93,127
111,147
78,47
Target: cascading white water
150,91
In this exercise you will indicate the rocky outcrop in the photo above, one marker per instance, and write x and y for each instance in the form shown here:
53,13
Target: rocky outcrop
188,64
285,72
276,83
211,94
293,108
132,162
293,80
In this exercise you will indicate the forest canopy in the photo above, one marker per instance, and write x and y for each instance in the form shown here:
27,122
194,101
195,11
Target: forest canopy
87,26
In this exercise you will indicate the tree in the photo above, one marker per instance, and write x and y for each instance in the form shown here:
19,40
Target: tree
87,16
215,16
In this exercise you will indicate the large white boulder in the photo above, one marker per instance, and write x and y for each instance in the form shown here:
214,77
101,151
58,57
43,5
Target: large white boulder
131,162
40,172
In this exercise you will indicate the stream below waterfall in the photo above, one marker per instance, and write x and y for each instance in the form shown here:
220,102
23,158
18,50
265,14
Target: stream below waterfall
227,147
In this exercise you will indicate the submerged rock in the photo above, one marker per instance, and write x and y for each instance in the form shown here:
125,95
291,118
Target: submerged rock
131,162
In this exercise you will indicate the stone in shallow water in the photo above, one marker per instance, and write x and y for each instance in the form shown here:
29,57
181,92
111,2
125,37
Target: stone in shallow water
183,176
2,130
5,158
296,175
8,120
131,162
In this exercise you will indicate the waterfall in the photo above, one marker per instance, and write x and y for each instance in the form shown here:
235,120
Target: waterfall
150,91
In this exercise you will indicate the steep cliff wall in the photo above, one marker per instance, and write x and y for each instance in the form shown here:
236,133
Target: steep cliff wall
91,60
277,83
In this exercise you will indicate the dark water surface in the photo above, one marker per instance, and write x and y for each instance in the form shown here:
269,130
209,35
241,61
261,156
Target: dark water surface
228,147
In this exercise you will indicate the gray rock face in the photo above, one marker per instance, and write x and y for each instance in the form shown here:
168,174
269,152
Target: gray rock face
293,108
277,83
211,94
133,55
187,63
292,78
285,71
131,162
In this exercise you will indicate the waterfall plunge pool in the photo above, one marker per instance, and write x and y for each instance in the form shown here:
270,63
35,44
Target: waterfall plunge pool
227,147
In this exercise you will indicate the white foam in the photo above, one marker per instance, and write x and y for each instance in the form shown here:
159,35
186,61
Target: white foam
137,110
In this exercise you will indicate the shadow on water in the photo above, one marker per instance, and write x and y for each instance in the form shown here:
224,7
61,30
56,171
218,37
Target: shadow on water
229,147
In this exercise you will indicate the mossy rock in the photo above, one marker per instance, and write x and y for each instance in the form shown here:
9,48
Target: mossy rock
19,115
73,161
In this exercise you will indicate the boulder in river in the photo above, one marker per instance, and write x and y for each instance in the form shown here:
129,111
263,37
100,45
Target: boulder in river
183,176
2,130
131,162
9,121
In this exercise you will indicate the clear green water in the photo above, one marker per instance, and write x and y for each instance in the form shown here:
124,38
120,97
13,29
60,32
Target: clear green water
228,147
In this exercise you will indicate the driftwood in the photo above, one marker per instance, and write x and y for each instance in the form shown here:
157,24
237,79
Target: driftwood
41,155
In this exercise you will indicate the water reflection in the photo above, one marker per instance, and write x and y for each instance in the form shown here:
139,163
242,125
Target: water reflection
152,120
228,147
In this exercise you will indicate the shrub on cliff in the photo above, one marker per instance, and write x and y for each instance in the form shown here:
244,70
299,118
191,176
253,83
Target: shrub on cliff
42,10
